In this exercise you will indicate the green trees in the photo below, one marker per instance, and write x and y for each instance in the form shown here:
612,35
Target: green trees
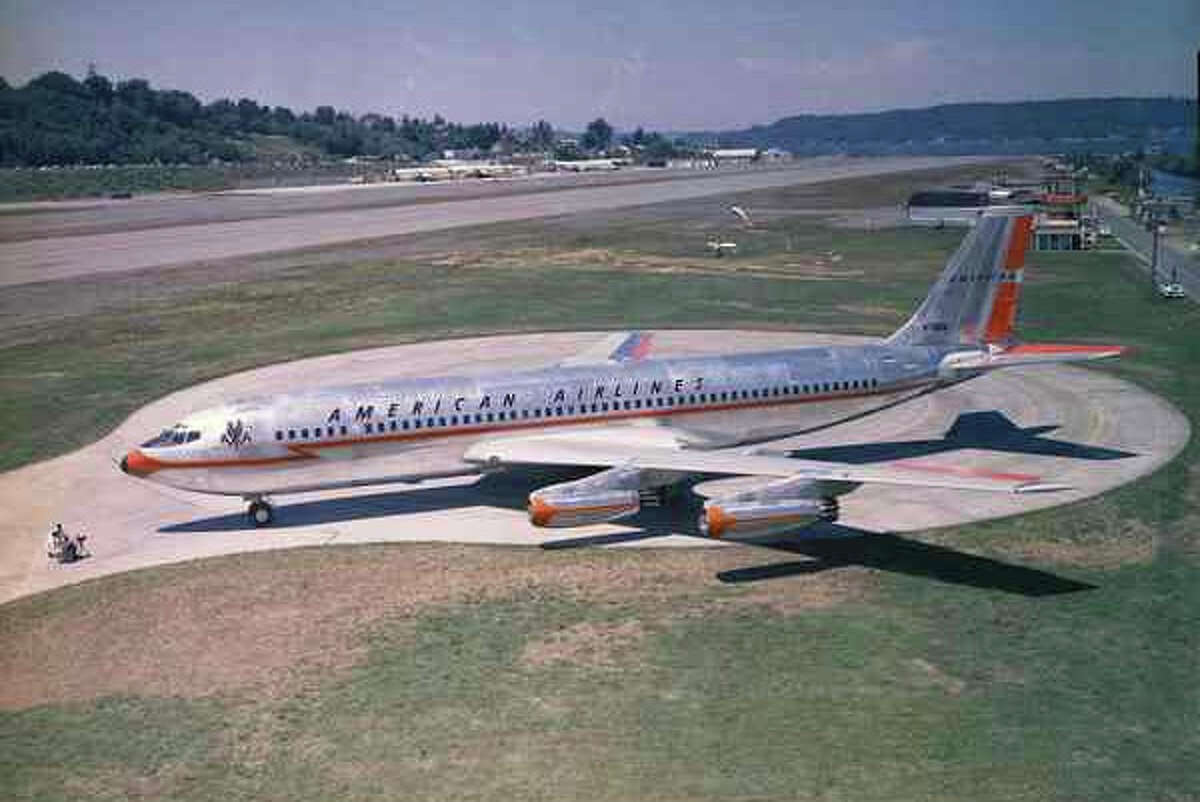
57,120
598,135
541,136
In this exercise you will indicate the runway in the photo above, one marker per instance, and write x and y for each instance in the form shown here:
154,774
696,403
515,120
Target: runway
1071,425
45,244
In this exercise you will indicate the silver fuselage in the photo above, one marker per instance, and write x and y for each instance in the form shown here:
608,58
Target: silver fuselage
415,428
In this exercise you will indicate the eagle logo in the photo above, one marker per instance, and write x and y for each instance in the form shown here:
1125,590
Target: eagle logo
237,434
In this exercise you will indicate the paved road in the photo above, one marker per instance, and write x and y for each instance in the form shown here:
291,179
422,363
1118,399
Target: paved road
1103,432
160,241
1134,236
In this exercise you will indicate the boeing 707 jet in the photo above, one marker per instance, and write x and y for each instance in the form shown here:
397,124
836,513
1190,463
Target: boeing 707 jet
643,424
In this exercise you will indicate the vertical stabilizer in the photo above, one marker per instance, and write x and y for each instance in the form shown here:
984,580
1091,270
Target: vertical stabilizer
974,301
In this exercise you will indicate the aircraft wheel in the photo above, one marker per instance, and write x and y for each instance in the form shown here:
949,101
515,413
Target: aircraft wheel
260,513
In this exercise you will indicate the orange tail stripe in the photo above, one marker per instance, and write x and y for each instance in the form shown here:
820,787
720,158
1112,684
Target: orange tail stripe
1004,312
1018,243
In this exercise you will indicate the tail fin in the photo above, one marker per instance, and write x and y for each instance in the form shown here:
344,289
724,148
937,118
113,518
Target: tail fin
974,301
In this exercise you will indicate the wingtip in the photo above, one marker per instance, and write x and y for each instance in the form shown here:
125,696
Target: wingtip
1041,487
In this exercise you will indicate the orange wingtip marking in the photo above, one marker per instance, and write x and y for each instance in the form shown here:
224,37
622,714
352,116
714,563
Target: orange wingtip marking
1065,348
642,348
958,470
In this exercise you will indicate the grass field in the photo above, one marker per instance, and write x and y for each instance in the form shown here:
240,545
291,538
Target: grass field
1053,656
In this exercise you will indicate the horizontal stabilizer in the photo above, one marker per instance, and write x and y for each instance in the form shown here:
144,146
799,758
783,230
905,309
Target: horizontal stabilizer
1027,354
615,349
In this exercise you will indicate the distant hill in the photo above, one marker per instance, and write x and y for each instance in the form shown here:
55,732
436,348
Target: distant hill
1099,124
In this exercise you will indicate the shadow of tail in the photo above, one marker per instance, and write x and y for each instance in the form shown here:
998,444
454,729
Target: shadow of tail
842,546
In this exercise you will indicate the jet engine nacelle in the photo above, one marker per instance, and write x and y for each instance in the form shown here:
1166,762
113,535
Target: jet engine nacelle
776,508
605,496
580,510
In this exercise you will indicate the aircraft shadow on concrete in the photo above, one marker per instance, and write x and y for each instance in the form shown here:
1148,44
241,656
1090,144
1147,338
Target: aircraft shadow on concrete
504,490
988,431
824,546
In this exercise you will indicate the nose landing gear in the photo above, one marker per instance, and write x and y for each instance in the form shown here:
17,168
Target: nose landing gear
260,512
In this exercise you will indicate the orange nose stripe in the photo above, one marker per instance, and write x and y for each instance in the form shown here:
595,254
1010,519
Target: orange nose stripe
139,464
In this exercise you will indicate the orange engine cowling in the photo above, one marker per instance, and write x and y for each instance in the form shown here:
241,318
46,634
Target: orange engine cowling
738,519
547,508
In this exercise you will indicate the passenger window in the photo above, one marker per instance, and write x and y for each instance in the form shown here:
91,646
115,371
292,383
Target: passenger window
343,430
279,435
441,421
304,432
317,433
416,423
291,434
429,423
193,437
404,425
558,411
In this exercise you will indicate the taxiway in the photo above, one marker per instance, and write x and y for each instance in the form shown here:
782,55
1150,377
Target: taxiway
1081,427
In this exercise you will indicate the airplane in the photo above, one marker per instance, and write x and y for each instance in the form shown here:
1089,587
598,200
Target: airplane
642,424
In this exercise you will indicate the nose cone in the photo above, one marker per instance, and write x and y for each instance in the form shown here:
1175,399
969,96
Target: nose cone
135,463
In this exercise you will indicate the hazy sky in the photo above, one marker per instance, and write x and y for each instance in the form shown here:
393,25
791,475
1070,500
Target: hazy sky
666,65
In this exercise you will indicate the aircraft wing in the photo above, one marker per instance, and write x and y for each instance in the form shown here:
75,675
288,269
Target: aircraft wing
595,449
615,349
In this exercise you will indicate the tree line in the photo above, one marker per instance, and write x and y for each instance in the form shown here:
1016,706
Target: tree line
56,119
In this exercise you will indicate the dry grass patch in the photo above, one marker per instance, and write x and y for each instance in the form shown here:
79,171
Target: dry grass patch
805,592
608,259
927,674
275,622
588,644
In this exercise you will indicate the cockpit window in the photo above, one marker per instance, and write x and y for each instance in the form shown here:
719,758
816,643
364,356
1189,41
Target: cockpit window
172,437
163,439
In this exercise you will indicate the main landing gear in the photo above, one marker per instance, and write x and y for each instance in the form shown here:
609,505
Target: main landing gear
260,512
